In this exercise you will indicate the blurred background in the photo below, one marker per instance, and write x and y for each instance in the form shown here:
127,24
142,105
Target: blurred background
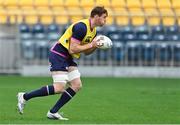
145,35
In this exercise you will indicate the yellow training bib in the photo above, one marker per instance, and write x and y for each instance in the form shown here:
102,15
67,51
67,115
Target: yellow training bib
66,37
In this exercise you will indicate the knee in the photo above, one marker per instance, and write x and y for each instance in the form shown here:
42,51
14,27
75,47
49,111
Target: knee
58,87
76,86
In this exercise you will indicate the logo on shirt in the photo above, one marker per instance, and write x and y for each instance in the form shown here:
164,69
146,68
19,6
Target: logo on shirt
88,39
66,41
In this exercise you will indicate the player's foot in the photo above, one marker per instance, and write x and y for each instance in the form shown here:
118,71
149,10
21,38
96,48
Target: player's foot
55,116
21,102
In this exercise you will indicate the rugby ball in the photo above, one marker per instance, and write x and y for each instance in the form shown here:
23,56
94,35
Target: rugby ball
104,41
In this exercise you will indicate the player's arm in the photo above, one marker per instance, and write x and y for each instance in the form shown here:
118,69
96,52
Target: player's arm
91,50
76,47
79,32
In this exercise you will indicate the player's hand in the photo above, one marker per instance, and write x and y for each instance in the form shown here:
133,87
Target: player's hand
97,42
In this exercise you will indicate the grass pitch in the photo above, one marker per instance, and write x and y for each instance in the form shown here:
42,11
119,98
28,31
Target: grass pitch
101,101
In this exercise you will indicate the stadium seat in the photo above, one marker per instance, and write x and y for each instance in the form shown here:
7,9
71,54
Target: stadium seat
3,16
118,53
24,28
172,29
27,42
1,3
38,28
122,16
167,15
168,20
56,4
41,41
176,55
86,11
176,4
41,48
137,16
148,4
120,12
164,53
105,3
26,4
73,10
151,13
60,15
152,17
100,30
172,32
133,53
133,4
163,4
8,4
61,20
46,16
130,37
74,13
46,19
53,36
53,32
158,29
110,18
102,55
86,6
43,10
114,33
13,11
116,37
41,4
28,11
71,3
28,49
30,17
87,3
158,33
111,29
53,27
25,32
159,37
148,54
128,33
118,3
174,37
59,11
142,33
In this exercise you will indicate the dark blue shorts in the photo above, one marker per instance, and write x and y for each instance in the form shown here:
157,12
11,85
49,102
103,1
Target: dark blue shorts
60,63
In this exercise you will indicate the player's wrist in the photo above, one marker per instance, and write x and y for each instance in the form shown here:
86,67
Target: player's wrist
91,45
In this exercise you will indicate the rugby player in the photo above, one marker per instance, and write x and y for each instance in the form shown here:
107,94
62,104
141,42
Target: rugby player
80,37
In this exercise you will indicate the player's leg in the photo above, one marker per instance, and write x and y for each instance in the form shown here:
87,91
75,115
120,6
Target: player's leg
59,82
23,97
69,93
59,75
59,86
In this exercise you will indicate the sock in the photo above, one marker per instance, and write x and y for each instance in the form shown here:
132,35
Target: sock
65,97
44,91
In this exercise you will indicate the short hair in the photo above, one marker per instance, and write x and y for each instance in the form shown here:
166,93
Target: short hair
98,10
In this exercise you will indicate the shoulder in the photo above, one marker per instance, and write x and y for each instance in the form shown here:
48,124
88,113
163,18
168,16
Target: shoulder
79,31
79,26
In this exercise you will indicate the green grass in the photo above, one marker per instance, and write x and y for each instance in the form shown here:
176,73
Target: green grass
101,101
